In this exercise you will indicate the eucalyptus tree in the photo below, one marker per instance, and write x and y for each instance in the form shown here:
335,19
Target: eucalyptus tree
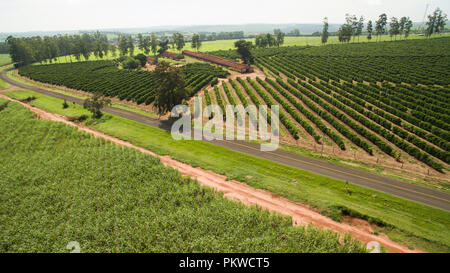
123,45
279,40
141,41
130,43
154,44
147,44
369,30
360,26
381,23
325,32
436,22
196,42
178,40
394,27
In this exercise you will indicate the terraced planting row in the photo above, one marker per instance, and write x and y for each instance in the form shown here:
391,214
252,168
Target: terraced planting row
365,125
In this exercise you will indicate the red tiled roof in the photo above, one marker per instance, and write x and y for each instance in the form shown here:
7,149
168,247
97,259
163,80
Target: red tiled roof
170,54
216,60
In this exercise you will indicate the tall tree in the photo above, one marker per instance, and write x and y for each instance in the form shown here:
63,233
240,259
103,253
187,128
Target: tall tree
380,27
280,38
360,27
325,33
178,39
394,29
436,22
171,89
352,22
113,50
154,44
141,42
270,40
408,26
369,30
402,24
347,30
196,42
123,45
244,50
131,45
163,46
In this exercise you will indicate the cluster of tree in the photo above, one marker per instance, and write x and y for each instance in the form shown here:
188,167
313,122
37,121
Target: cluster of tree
354,27
294,33
126,45
222,36
133,62
400,27
436,22
196,42
269,40
178,42
37,49
147,44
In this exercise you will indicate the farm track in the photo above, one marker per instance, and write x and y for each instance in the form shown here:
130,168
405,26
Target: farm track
234,190
391,186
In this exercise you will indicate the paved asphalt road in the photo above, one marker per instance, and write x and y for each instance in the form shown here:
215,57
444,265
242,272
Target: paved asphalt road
398,188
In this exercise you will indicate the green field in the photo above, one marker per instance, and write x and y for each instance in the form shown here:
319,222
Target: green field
5,59
409,222
60,185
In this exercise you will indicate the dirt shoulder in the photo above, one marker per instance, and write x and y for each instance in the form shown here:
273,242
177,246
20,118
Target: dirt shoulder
302,215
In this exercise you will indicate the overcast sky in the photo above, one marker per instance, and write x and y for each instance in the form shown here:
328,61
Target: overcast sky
45,15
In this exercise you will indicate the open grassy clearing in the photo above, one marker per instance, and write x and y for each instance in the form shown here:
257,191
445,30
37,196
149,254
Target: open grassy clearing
5,59
413,224
115,199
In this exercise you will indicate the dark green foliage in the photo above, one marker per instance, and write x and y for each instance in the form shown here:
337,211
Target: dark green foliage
131,63
106,78
142,59
244,48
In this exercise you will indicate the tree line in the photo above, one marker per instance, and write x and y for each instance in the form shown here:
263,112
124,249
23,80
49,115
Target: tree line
269,40
354,27
28,50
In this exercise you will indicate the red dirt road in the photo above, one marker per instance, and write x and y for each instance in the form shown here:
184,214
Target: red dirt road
301,214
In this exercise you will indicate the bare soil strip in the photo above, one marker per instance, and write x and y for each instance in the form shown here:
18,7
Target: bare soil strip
234,190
